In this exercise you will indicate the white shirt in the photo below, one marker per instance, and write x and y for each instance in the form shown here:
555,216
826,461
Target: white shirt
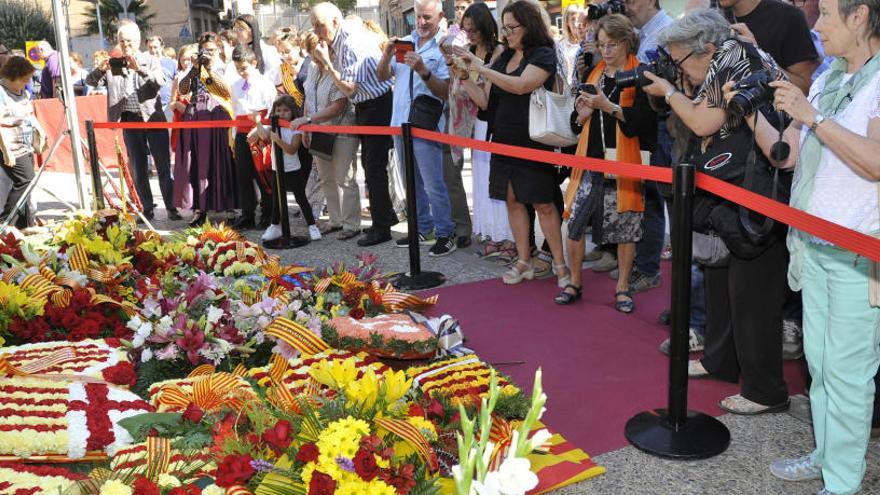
291,161
260,95
839,194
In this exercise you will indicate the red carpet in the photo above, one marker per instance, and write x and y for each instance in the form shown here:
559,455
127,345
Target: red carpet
600,366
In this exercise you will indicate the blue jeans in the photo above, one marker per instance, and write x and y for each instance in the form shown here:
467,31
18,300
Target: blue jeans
698,299
434,211
654,224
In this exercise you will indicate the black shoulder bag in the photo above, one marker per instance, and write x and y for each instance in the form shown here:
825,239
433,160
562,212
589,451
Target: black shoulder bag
425,111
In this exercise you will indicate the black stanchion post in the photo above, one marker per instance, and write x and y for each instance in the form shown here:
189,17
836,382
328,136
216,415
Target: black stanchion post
286,241
416,279
95,169
676,432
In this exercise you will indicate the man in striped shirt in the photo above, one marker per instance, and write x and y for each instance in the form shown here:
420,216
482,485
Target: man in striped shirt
351,54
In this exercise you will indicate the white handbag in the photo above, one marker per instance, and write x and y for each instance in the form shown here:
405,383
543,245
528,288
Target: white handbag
550,118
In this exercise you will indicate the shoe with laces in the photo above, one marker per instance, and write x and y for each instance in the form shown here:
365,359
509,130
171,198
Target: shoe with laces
314,233
605,264
272,233
695,343
798,469
792,340
640,282
443,246
424,240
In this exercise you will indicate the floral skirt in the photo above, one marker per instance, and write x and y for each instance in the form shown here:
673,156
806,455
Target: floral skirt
595,206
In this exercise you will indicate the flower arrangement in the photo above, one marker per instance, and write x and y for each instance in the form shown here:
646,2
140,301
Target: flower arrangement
101,359
22,479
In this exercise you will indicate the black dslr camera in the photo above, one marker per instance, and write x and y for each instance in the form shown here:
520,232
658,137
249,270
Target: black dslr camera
753,92
117,64
661,65
204,58
599,10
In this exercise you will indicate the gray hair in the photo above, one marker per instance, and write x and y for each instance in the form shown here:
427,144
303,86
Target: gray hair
438,4
326,11
847,7
696,29
130,26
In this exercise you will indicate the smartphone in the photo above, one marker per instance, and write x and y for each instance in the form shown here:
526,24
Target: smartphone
401,47
588,88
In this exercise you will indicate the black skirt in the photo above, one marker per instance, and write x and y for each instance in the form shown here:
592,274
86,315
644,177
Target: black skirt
532,182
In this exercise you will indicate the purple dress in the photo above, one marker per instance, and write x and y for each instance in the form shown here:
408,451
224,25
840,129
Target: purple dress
204,177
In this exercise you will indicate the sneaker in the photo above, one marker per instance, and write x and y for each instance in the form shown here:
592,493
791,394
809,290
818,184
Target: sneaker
593,255
799,469
695,342
314,233
424,240
605,264
639,282
666,254
792,340
272,233
443,246
615,274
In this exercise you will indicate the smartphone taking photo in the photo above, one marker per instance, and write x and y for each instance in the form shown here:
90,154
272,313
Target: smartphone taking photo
401,47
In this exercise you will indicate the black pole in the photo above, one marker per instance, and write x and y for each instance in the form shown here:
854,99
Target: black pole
286,241
97,185
676,432
416,279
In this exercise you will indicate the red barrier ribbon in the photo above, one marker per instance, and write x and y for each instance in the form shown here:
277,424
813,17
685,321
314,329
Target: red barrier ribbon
857,242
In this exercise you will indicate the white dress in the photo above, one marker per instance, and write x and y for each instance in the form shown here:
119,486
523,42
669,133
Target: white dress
490,215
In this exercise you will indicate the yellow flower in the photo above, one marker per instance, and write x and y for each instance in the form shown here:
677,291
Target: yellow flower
395,385
426,428
337,374
115,487
364,391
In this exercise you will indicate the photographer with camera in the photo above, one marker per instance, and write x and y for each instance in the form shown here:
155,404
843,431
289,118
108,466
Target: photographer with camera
133,80
203,167
744,296
616,123
835,141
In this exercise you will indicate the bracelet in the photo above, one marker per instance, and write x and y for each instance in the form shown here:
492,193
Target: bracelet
669,94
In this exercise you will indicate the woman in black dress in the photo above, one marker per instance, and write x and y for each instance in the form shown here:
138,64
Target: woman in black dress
527,63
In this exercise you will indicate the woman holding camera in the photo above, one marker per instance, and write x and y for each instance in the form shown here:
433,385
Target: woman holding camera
744,298
528,62
205,178
835,141
615,122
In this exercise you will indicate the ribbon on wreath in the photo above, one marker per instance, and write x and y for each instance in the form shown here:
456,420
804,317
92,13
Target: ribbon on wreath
158,456
209,393
411,435
448,332
296,336
36,366
342,280
396,301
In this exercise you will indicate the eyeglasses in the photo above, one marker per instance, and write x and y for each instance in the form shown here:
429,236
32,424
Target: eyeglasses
471,31
611,45
510,29
679,62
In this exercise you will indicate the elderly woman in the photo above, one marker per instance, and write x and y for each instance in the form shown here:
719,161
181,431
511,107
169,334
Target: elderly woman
326,105
744,299
609,117
835,141
528,62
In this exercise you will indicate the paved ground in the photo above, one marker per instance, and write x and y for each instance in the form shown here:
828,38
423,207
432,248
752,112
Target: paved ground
741,470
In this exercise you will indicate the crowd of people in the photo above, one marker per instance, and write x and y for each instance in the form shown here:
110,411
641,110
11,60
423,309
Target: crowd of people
783,99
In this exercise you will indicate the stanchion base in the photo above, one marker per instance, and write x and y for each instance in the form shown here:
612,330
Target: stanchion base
700,437
291,242
424,280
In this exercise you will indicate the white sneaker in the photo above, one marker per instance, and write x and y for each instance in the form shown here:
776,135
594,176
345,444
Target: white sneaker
314,232
272,233
799,469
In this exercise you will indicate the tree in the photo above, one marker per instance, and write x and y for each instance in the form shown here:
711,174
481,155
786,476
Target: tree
110,11
24,20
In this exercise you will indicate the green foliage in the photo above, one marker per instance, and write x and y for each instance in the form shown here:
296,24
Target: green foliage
110,10
514,406
24,20
156,370
187,436
396,347
425,485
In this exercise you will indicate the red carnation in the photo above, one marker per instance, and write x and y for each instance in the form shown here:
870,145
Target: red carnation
321,484
365,465
121,374
185,490
357,313
234,470
143,486
193,413
416,410
308,453
279,436
402,480
435,409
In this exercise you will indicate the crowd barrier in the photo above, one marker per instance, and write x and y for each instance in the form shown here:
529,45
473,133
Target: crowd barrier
850,240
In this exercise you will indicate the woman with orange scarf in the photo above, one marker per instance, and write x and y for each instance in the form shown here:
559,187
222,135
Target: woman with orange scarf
616,123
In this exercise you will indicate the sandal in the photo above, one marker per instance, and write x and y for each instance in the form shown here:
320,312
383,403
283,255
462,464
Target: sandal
626,306
565,298
737,404
490,250
514,276
564,280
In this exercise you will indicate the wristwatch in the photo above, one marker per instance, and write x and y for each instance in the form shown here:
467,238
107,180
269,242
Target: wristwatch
816,121
425,77
669,94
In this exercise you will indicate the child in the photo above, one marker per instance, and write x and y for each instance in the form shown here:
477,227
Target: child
252,96
296,171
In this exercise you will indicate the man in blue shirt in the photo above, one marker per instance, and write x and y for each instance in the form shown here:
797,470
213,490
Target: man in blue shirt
156,48
423,72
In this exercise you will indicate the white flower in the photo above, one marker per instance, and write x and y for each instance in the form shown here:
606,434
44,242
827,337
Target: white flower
214,314
146,355
134,323
539,440
489,486
140,336
167,481
165,323
515,476
213,490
